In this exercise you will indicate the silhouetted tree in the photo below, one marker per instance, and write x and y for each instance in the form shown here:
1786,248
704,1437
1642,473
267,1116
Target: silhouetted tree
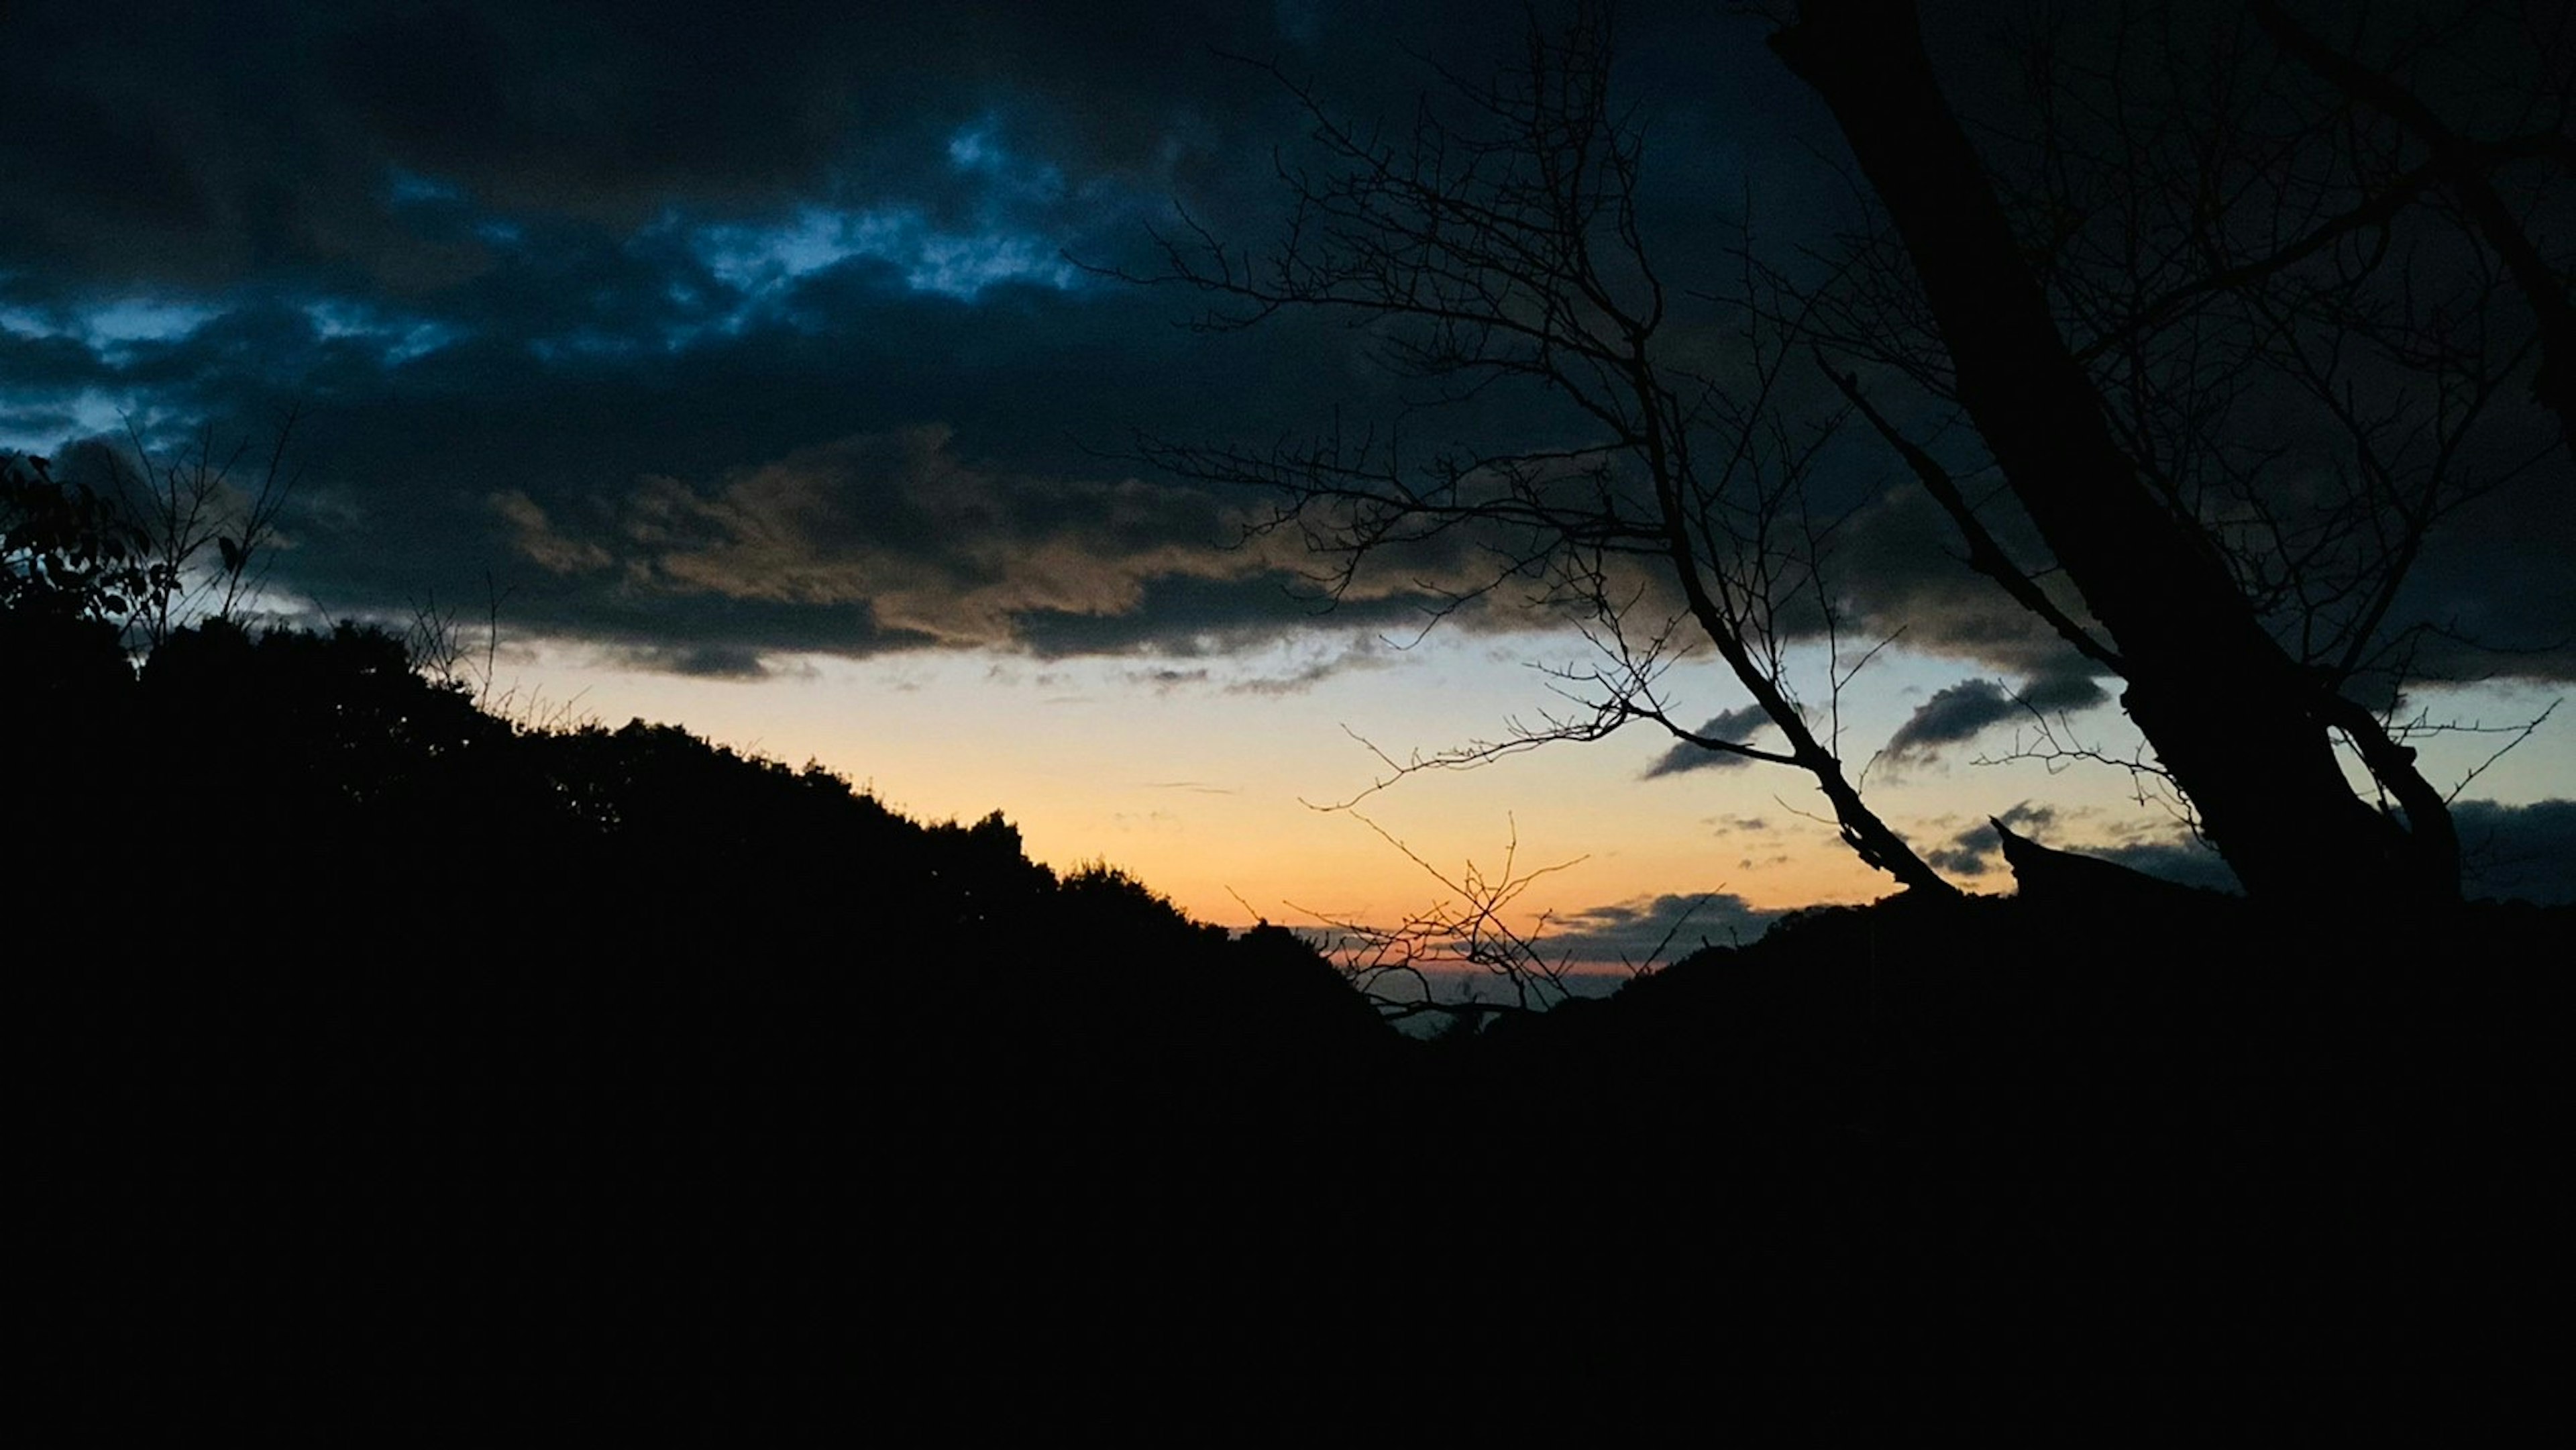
2236,351
206,524
2464,166
1496,247
2177,240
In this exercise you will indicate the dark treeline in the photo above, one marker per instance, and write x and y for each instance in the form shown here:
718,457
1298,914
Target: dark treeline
396,1059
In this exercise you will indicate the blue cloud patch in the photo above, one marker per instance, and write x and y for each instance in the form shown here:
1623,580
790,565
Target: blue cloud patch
760,259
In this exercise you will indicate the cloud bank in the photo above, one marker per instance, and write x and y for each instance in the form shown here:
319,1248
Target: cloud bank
715,343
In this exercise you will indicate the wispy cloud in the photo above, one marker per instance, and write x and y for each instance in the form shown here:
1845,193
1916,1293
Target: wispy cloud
1742,727
1959,713
1654,930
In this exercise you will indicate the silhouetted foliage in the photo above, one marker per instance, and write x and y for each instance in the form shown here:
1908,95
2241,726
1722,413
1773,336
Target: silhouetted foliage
65,551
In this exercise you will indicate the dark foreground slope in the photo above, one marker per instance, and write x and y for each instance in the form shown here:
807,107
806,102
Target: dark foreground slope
392,1064
2117,1166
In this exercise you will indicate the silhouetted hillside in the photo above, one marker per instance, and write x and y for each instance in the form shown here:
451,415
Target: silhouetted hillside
393,1046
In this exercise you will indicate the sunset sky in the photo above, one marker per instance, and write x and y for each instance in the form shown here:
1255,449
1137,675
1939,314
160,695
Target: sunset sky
769,366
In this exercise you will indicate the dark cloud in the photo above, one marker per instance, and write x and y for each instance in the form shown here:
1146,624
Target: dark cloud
1166,679
125,150
1361,653
636,491
2185,860
567,295
2061,693
2494,578
1978,850
1635,932
33,364
1899,563
707,661
2518,852
1953,714
167,142
1739,726
1961,712
928,544
652,317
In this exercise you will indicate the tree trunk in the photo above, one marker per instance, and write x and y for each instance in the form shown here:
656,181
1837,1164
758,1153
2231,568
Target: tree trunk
2241,727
